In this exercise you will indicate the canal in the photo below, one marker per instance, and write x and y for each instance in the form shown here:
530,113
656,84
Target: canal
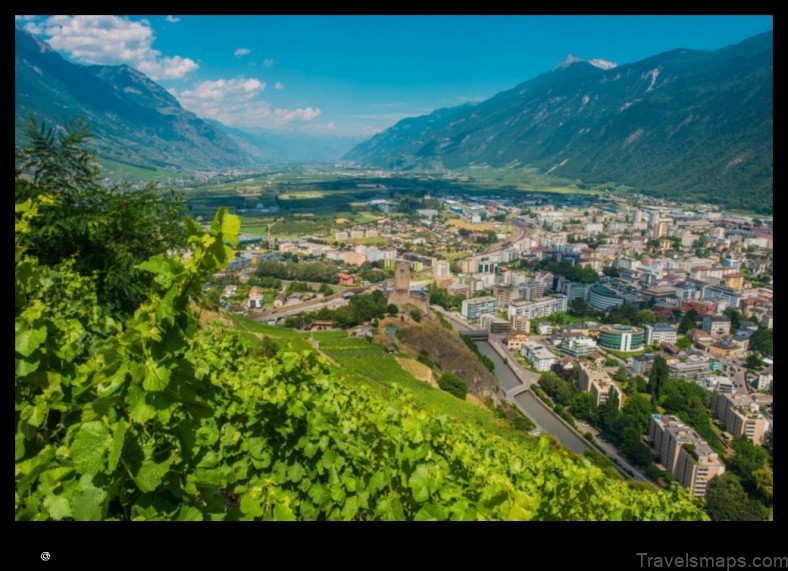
530,404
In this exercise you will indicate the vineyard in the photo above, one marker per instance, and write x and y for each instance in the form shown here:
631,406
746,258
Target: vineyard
152,417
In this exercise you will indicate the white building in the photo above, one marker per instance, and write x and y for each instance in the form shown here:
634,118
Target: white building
537,355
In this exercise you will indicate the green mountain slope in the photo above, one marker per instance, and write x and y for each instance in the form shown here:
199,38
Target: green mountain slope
690,124
135,120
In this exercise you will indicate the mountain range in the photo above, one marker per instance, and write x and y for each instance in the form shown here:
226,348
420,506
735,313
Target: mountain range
138,123
690,124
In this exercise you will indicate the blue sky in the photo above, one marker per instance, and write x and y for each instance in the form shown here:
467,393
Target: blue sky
357,75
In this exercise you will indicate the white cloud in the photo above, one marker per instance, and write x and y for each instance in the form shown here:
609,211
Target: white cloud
279,85
306,114
240,52
34,28
113,40
268,63
172,19
235,102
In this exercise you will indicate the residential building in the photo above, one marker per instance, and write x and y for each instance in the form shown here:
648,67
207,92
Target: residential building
621,337
541,308
725,349
740,415
531,291
659,333
494,324
684,453
598,383
345,279
520,323
716,325
460,289
515,341
722,293
692,369
537,355
578,346
763,382
505,295
440,269
477,306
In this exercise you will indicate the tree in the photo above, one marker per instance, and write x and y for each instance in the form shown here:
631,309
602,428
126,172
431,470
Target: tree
392,309
561,391
753,361
640,409
584,407
658,375
645,317
579,306
416,315
453,384
611,271
733,314
762,340
688,321
727,500
640,455
747,458
609,412
684,342
106,230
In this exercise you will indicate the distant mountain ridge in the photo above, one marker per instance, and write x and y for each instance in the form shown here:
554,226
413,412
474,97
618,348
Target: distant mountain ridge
134,120
137,122
691,124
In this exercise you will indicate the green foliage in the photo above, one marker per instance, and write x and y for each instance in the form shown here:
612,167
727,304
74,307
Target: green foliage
763,340
416,315
645,317
626,314
561,391
314,272
107,230
572,272
609,413
294,287
735,316
611,271
727,500
689,321
753,361
690,401
684,342
747,458
440,296
658,376
584,407
486,361
453,384
392,309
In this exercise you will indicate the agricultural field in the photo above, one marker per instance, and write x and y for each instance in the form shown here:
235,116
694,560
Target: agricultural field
363,358
459,223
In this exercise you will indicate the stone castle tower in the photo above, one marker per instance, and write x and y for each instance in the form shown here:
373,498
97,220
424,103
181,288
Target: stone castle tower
401,294
402,276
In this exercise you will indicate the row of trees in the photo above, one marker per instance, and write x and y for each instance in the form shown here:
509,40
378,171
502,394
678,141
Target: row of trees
314,272
360,309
